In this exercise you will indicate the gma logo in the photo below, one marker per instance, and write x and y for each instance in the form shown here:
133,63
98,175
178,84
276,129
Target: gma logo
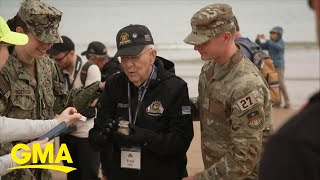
47,156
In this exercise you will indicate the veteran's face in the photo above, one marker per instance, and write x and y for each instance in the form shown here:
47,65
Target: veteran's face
138,68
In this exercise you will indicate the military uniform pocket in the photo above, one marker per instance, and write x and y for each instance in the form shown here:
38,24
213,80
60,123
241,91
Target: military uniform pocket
49,97
24,102
22,106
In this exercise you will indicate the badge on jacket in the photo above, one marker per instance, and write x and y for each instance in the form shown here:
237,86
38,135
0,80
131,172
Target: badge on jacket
254,120
155,108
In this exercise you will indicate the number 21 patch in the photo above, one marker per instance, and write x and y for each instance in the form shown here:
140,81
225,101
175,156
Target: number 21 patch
246,102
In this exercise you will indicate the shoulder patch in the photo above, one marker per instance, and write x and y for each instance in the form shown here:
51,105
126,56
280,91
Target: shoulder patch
186,110
246,102
254,120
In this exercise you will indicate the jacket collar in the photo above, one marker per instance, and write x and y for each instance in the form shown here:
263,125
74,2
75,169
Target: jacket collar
217,71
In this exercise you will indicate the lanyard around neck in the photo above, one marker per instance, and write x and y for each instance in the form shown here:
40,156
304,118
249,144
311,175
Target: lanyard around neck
140,98
76,71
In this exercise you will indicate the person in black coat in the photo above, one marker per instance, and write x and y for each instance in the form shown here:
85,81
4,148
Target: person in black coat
155,103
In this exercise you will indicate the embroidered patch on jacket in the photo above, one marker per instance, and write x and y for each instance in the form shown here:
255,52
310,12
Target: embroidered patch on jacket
254,120
247,102
186,110
155,109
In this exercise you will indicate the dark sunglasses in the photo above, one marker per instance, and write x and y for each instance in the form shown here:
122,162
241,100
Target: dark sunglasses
60,59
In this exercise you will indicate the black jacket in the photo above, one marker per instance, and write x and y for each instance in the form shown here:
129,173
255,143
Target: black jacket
110,68
293,153
164,154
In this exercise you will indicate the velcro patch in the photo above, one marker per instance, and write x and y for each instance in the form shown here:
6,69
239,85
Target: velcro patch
186,110
247,102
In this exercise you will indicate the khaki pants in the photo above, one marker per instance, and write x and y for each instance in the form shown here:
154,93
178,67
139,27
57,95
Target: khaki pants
283,88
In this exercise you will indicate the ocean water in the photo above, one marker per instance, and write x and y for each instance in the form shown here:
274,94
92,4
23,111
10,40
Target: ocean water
169,22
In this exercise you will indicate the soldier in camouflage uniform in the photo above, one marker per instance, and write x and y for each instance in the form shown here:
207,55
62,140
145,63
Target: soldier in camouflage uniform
34,90
233,102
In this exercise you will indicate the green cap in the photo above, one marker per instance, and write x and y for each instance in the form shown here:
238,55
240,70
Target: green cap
42,20
209,22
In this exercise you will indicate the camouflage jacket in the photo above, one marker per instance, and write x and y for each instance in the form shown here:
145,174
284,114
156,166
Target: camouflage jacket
235,109
38,98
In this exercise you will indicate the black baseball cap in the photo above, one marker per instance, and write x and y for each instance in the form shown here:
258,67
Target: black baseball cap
132,39
96,48
57,48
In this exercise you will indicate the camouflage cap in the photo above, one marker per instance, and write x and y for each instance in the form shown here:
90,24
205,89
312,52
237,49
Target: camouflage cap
42,20
209,22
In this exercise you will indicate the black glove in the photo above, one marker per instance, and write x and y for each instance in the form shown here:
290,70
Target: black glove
107,127
102,132
97,139
137,135
89,112
112,126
